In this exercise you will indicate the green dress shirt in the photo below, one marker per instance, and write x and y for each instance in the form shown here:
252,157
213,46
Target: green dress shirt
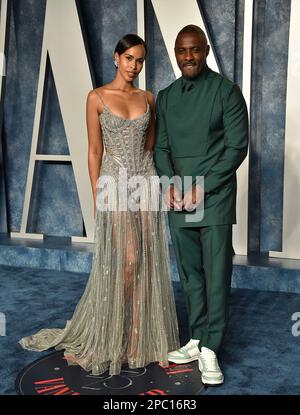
202,130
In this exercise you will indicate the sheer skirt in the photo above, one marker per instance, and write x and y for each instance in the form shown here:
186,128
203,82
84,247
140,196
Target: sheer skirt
127,312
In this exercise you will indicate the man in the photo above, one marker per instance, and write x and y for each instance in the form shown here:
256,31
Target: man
202,130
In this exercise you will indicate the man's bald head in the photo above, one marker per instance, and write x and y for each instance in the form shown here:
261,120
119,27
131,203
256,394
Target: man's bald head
192,29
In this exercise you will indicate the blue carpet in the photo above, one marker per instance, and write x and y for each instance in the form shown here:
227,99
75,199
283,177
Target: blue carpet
260,354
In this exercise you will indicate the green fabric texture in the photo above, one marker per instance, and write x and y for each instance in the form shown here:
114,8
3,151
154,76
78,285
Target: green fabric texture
202,130
204,261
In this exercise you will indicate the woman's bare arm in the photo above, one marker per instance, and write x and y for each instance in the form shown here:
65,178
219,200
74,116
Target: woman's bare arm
95,143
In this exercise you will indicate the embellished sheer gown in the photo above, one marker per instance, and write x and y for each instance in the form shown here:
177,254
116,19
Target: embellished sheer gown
127,312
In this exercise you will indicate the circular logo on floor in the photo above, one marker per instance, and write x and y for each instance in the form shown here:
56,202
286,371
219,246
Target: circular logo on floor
51,375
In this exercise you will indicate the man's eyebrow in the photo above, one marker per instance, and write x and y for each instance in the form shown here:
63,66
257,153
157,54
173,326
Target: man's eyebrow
193,45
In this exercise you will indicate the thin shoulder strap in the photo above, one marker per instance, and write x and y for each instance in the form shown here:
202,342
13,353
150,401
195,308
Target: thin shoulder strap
99,96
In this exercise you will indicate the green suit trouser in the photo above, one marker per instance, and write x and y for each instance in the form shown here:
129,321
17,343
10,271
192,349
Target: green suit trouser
204,262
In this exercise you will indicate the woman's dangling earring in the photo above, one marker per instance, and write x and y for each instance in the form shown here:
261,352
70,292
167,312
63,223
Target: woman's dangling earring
116,64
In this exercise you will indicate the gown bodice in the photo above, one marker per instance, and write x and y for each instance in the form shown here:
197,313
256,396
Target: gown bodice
124,142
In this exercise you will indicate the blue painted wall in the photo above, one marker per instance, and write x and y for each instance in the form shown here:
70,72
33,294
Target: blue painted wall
55,206
270,54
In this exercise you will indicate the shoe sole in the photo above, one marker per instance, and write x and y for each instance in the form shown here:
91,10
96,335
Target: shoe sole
178,361
211,382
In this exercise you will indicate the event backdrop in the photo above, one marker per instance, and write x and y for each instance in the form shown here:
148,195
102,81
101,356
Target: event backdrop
55,207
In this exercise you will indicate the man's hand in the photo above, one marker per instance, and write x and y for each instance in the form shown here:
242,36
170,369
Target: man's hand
173,198
193,198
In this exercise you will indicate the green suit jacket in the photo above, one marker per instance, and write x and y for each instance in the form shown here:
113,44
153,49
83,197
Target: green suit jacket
202,130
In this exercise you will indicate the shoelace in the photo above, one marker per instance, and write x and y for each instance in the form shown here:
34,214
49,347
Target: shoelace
210,360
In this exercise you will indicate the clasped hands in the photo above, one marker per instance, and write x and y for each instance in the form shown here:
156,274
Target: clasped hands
189,202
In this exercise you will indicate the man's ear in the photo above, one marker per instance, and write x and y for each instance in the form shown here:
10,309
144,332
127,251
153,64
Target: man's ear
207,50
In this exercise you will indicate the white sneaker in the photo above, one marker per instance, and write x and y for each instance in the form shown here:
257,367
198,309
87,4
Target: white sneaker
185,354
209,367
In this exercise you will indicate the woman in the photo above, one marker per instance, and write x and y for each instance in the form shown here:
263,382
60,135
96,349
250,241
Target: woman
127,313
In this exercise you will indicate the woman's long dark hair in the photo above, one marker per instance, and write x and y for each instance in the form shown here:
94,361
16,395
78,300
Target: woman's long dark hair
128,41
